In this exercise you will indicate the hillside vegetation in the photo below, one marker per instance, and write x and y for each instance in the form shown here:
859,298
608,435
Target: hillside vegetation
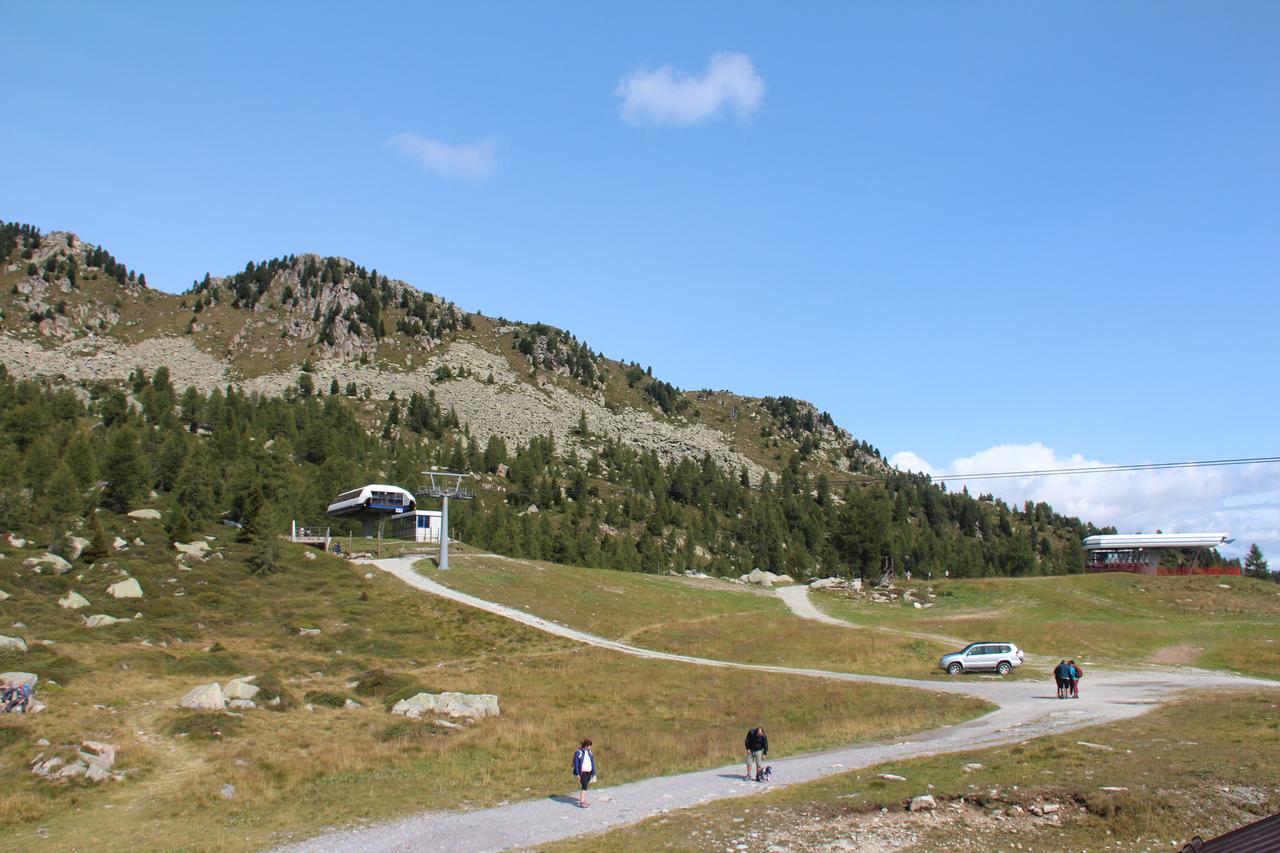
286,383
1119,619
319,632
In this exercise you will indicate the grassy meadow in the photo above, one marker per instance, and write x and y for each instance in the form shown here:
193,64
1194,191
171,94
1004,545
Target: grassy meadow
296,771
1115,619
1201,766
705,617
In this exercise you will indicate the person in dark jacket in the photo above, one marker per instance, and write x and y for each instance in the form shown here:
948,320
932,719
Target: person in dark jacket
585,768
1062,675
757,744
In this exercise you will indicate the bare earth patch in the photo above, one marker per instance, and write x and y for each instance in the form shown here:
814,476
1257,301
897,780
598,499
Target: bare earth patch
1183,654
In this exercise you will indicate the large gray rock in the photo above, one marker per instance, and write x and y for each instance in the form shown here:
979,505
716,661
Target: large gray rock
759,577
151,514
195,549
99,620
923,803
125,589
241,688
206,697
28,678
58,565
76,546
470,705
98,754
73,601
12,644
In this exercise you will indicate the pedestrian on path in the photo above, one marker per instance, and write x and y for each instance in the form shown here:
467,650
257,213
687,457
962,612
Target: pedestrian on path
757,744
1062,675
1076,674
584,767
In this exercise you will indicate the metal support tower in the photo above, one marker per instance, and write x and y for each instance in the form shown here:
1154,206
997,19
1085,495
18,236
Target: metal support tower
445,485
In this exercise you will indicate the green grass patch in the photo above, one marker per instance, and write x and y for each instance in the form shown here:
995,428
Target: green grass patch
1118,619
205,725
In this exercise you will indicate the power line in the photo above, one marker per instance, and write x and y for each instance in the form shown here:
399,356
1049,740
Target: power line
1105,469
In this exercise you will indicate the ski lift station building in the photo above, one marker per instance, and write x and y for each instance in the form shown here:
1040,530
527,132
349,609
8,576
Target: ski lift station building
1140,553
394,508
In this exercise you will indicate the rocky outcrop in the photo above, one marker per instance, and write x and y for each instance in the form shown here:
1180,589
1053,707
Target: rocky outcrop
73,601
206,697
125,589
55,563
469,705
241,688
12,644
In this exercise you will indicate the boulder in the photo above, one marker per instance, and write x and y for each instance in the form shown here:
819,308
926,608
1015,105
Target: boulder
125,589
4,595
15,541
76,546
195,549
137,540
46,767
969,768
119,544
12,644
310,555
148,514
94,773
73,601
206,697
923,803
892,777
28,678
351,705
241,688
100,619
98,753
308,632
760,577
470,705
242,704
53,561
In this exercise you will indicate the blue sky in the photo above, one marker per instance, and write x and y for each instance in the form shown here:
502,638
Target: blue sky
956,227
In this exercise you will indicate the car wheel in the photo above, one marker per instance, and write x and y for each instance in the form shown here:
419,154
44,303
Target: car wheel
955,669
1004,668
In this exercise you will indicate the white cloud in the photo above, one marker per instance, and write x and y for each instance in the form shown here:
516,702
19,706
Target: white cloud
469,162
667,95
1244,500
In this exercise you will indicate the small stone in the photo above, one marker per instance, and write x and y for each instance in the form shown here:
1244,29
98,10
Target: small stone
969,768
922,803
892,777
119,544
308,632
228,792
99,620
351,705
1113,789
147,514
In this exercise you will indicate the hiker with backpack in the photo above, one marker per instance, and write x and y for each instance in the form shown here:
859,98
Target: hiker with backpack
584,767
1076,673
757,744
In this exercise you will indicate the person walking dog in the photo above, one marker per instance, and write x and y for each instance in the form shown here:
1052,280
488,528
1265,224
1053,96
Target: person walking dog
585,768
757,744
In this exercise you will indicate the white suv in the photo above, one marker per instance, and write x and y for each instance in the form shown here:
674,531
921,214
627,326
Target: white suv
977,657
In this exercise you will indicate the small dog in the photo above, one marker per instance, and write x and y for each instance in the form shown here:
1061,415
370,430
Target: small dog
765,775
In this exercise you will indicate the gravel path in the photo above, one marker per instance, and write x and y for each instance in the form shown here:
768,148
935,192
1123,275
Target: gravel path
1025,711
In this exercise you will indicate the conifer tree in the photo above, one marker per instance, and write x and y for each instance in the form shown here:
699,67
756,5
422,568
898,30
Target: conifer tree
99,548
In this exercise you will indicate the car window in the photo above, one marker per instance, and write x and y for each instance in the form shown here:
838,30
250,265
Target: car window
1004,650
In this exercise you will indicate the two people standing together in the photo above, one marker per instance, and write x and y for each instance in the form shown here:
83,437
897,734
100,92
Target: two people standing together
1067,673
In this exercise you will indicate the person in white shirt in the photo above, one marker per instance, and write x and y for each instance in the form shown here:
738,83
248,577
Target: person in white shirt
585,767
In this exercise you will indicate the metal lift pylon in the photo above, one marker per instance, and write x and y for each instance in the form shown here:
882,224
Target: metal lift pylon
445,485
